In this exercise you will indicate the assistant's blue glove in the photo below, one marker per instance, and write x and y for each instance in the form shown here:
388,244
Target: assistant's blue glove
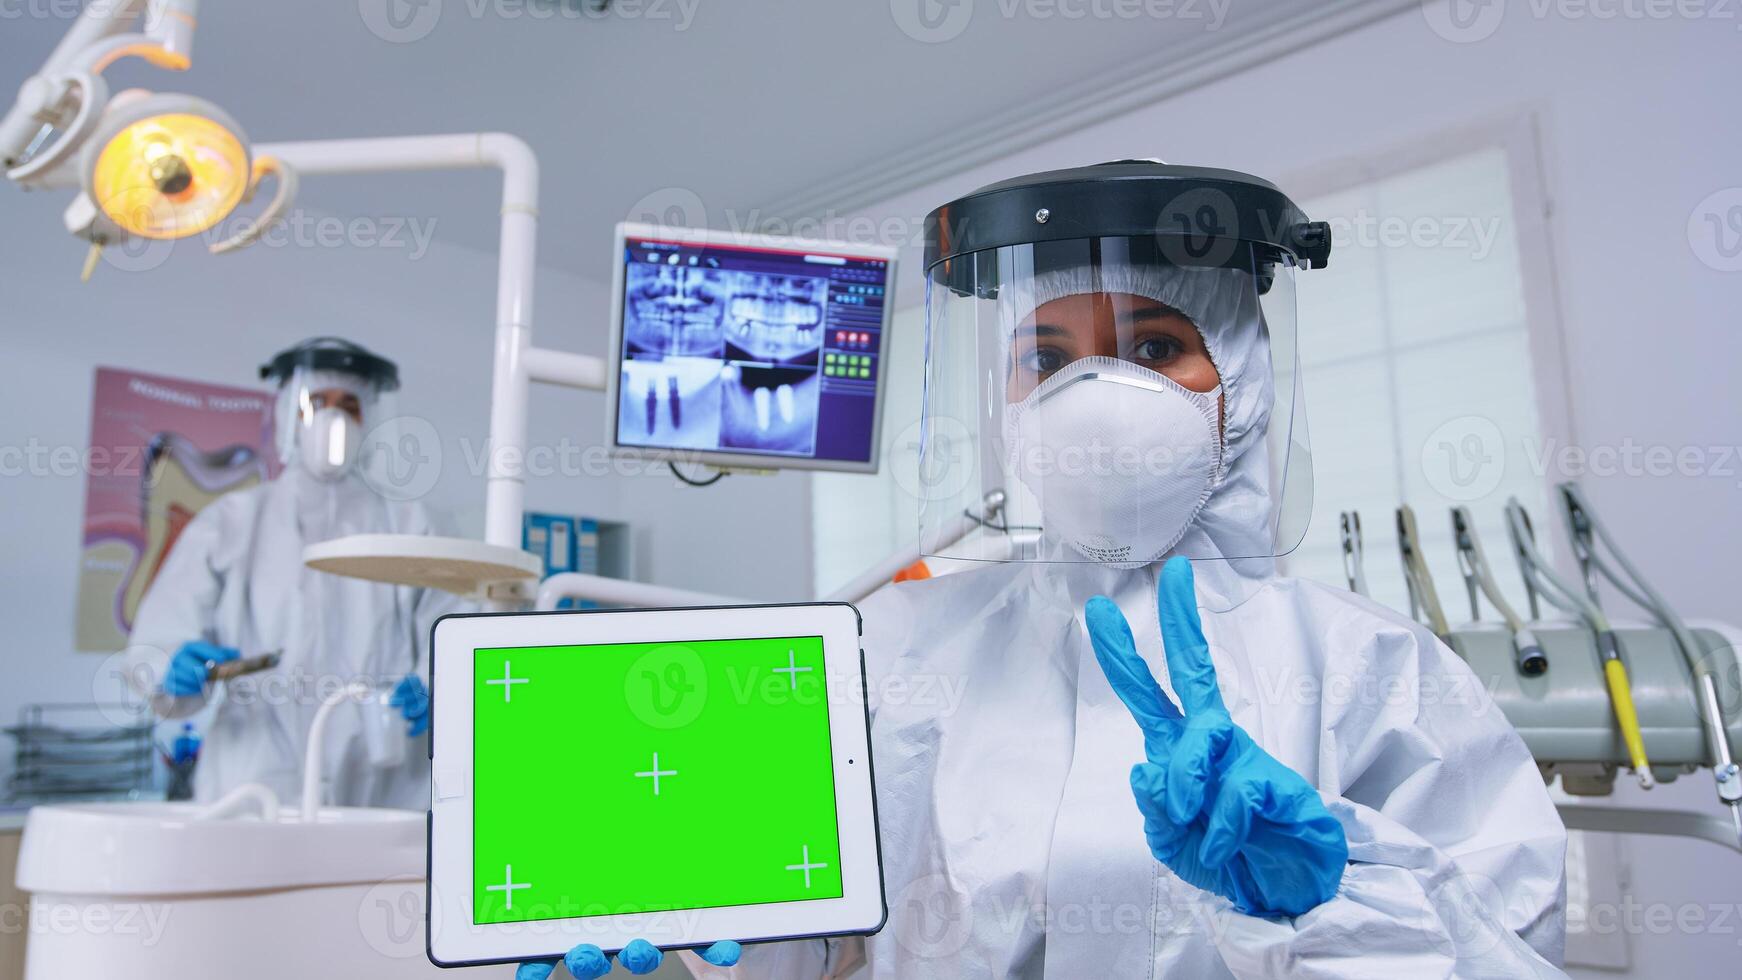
1218,810
186,676
589,962
412,700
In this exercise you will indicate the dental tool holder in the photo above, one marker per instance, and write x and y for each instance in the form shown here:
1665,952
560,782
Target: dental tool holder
80,750
1565,716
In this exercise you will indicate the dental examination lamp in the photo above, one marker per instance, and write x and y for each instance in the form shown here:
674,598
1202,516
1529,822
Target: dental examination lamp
145,165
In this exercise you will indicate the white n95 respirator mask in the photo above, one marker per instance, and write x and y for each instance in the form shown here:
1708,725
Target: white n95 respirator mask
328,446
1119,458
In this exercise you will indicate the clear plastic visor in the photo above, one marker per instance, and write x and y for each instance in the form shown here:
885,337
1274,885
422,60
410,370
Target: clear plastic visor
1112,400
334,422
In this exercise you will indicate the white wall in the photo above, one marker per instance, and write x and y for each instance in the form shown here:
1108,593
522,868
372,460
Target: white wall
1638,121
217,318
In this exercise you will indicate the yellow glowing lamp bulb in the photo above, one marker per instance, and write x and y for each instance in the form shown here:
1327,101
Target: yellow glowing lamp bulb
166,162
170,175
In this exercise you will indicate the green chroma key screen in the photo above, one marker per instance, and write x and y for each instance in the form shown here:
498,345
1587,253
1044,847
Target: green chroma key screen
645,777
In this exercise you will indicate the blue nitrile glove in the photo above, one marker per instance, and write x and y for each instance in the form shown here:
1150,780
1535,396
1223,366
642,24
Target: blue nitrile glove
412,700
1218,810
589,962
186,676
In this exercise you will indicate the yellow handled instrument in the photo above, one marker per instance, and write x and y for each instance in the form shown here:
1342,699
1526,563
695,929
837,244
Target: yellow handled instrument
1621,696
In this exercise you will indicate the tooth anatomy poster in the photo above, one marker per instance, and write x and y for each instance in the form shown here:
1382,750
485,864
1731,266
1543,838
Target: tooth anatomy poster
161,450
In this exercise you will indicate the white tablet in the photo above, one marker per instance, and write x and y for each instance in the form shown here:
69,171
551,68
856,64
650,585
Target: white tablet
675,775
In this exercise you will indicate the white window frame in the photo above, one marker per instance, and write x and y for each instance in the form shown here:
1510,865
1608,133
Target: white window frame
1605,857
1519,137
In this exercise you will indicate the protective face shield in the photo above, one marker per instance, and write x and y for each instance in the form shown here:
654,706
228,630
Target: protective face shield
331,395
1111,371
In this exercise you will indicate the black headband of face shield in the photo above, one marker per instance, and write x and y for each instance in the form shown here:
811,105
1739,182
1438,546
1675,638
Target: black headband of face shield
982,273
1136,212
333,354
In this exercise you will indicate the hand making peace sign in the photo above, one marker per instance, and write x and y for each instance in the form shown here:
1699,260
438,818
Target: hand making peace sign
1218,810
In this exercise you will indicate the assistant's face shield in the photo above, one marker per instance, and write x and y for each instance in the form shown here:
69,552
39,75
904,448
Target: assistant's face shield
1111,398
332,398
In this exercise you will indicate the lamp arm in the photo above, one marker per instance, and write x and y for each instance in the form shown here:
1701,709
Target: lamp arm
281,200
516,358
97,39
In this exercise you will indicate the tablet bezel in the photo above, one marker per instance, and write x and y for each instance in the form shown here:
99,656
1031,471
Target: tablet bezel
452,939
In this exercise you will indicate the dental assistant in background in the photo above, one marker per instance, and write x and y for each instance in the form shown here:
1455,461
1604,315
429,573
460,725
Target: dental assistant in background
235,585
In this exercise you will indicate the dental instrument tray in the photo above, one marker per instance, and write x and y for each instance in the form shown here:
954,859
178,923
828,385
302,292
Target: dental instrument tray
681,776
1564,713
65,750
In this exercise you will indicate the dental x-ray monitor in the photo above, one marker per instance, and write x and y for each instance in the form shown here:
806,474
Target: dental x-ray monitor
748,351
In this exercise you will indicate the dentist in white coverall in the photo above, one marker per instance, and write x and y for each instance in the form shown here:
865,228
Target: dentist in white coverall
235,585
1169,759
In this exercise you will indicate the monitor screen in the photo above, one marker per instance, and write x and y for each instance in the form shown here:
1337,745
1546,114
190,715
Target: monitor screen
608,777
769,354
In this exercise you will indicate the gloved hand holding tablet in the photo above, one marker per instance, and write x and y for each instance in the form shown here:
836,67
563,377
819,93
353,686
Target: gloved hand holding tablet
679,777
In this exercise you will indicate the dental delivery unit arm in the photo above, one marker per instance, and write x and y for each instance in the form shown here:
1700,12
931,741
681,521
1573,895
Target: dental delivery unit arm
1552,587
1589,539
1479,577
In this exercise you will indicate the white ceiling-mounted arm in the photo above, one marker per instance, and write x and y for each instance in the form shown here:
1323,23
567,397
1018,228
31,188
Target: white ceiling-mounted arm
622,592
516,261
497,568
163,34
96,23
172,23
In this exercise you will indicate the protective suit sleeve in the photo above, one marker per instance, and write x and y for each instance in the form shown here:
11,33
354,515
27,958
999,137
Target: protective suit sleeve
1456,854
181,605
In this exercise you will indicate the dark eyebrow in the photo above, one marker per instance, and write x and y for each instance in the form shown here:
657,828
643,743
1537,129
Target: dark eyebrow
1043,330
1147,313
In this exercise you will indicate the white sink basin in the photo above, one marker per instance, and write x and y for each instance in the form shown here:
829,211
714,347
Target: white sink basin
146,891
